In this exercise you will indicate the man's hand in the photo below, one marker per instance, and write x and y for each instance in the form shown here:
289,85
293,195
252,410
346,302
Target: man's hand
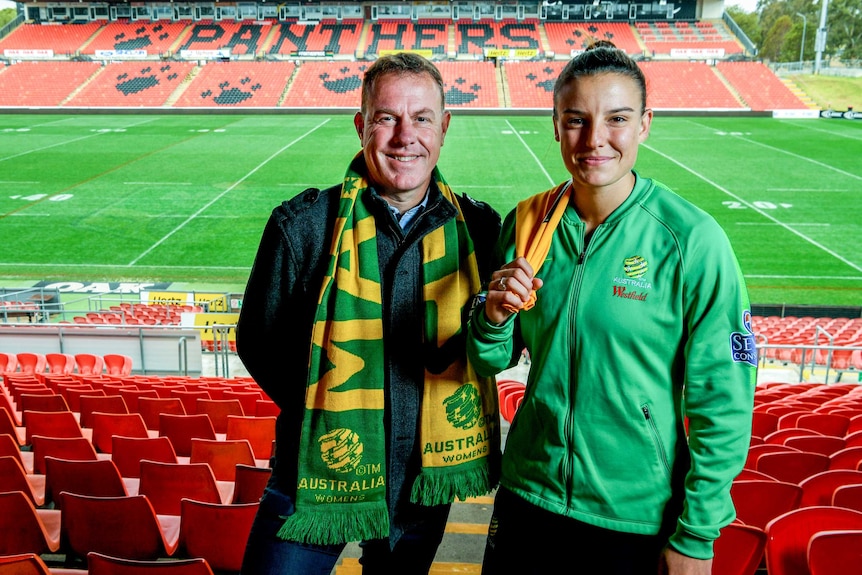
675,563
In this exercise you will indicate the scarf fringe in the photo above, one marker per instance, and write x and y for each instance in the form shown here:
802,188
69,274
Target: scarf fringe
336,524
439,485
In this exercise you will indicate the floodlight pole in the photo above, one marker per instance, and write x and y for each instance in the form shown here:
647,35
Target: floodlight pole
820,42
802,47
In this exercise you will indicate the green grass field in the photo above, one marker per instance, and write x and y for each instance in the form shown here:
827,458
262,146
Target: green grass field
183,198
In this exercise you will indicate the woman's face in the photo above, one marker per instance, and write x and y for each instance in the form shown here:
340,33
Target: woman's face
600,123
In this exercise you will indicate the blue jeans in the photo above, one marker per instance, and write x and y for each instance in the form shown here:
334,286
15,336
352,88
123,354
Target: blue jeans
528,540
266,554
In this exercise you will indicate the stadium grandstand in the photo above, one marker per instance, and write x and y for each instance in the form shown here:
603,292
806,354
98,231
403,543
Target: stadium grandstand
306,55
107,375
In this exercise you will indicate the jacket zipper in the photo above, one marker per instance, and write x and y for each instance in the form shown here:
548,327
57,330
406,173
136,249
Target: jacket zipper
573,310
659,445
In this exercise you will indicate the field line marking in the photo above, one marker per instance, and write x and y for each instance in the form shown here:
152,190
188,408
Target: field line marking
767,146
221,195
830,132
807,159
18,155
94,134
530,151
755,208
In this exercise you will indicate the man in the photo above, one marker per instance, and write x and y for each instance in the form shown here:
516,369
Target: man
352,323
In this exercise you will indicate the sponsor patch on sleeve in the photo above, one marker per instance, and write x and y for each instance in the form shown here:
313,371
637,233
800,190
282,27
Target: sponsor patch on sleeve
742,345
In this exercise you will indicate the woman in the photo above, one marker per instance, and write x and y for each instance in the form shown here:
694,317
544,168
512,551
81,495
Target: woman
637,412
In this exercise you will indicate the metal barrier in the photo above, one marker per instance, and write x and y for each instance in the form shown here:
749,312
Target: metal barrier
804,361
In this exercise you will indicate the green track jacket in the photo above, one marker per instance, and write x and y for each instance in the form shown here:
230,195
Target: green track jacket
645,331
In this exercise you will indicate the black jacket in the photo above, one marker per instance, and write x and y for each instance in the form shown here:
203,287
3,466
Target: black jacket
275,323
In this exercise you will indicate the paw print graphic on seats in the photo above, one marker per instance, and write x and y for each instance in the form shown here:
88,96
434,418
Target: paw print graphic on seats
228,95
346,81
146,78
546,83
142,38
461,94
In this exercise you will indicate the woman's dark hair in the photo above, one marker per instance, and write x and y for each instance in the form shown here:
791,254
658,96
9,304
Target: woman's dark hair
601,57
400,64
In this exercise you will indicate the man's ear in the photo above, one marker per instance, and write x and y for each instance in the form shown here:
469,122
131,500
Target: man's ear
359,124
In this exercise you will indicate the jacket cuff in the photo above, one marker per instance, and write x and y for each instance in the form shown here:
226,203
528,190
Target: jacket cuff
690,545
492,332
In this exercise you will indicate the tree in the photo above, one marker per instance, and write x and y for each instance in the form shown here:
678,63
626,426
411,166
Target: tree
844,36
6,16
774,40
747,21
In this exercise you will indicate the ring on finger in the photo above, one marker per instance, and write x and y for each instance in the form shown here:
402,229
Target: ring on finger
503,283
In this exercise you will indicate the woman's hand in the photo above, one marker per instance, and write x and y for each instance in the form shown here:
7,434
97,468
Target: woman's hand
511,287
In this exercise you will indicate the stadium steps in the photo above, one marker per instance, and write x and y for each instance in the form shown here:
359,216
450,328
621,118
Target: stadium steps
363,40
178,92
544,42
83,85
450,46
799,93
92,37
269,40
730,87
502,94
287,86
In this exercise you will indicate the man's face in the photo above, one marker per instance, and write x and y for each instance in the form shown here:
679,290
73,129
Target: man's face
402,131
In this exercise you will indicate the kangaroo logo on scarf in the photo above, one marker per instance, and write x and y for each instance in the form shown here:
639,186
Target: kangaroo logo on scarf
341,450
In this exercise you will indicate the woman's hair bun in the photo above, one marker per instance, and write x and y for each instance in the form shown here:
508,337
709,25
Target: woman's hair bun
602,44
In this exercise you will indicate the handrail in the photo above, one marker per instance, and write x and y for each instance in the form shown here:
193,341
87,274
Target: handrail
183,355
805,348
831,337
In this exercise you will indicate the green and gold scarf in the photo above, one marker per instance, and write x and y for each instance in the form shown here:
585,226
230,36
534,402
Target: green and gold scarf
341,490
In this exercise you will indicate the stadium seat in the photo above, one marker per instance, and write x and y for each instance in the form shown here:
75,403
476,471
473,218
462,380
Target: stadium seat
792,466
249,483
818,490
13,477
823,444
117,364
738,550
9,448
60,362
218,410
131,395
222,456
98,478
73,394
181,429
72,448
8,427
107,425
8,363
757,502
127,527
25,529
849,496
32,363
40,402
166,484
89,363
128,452
835,552
30,564
216,532
91,404
788,536
259,431
824,423
189,397
101,564
54,424
151,407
